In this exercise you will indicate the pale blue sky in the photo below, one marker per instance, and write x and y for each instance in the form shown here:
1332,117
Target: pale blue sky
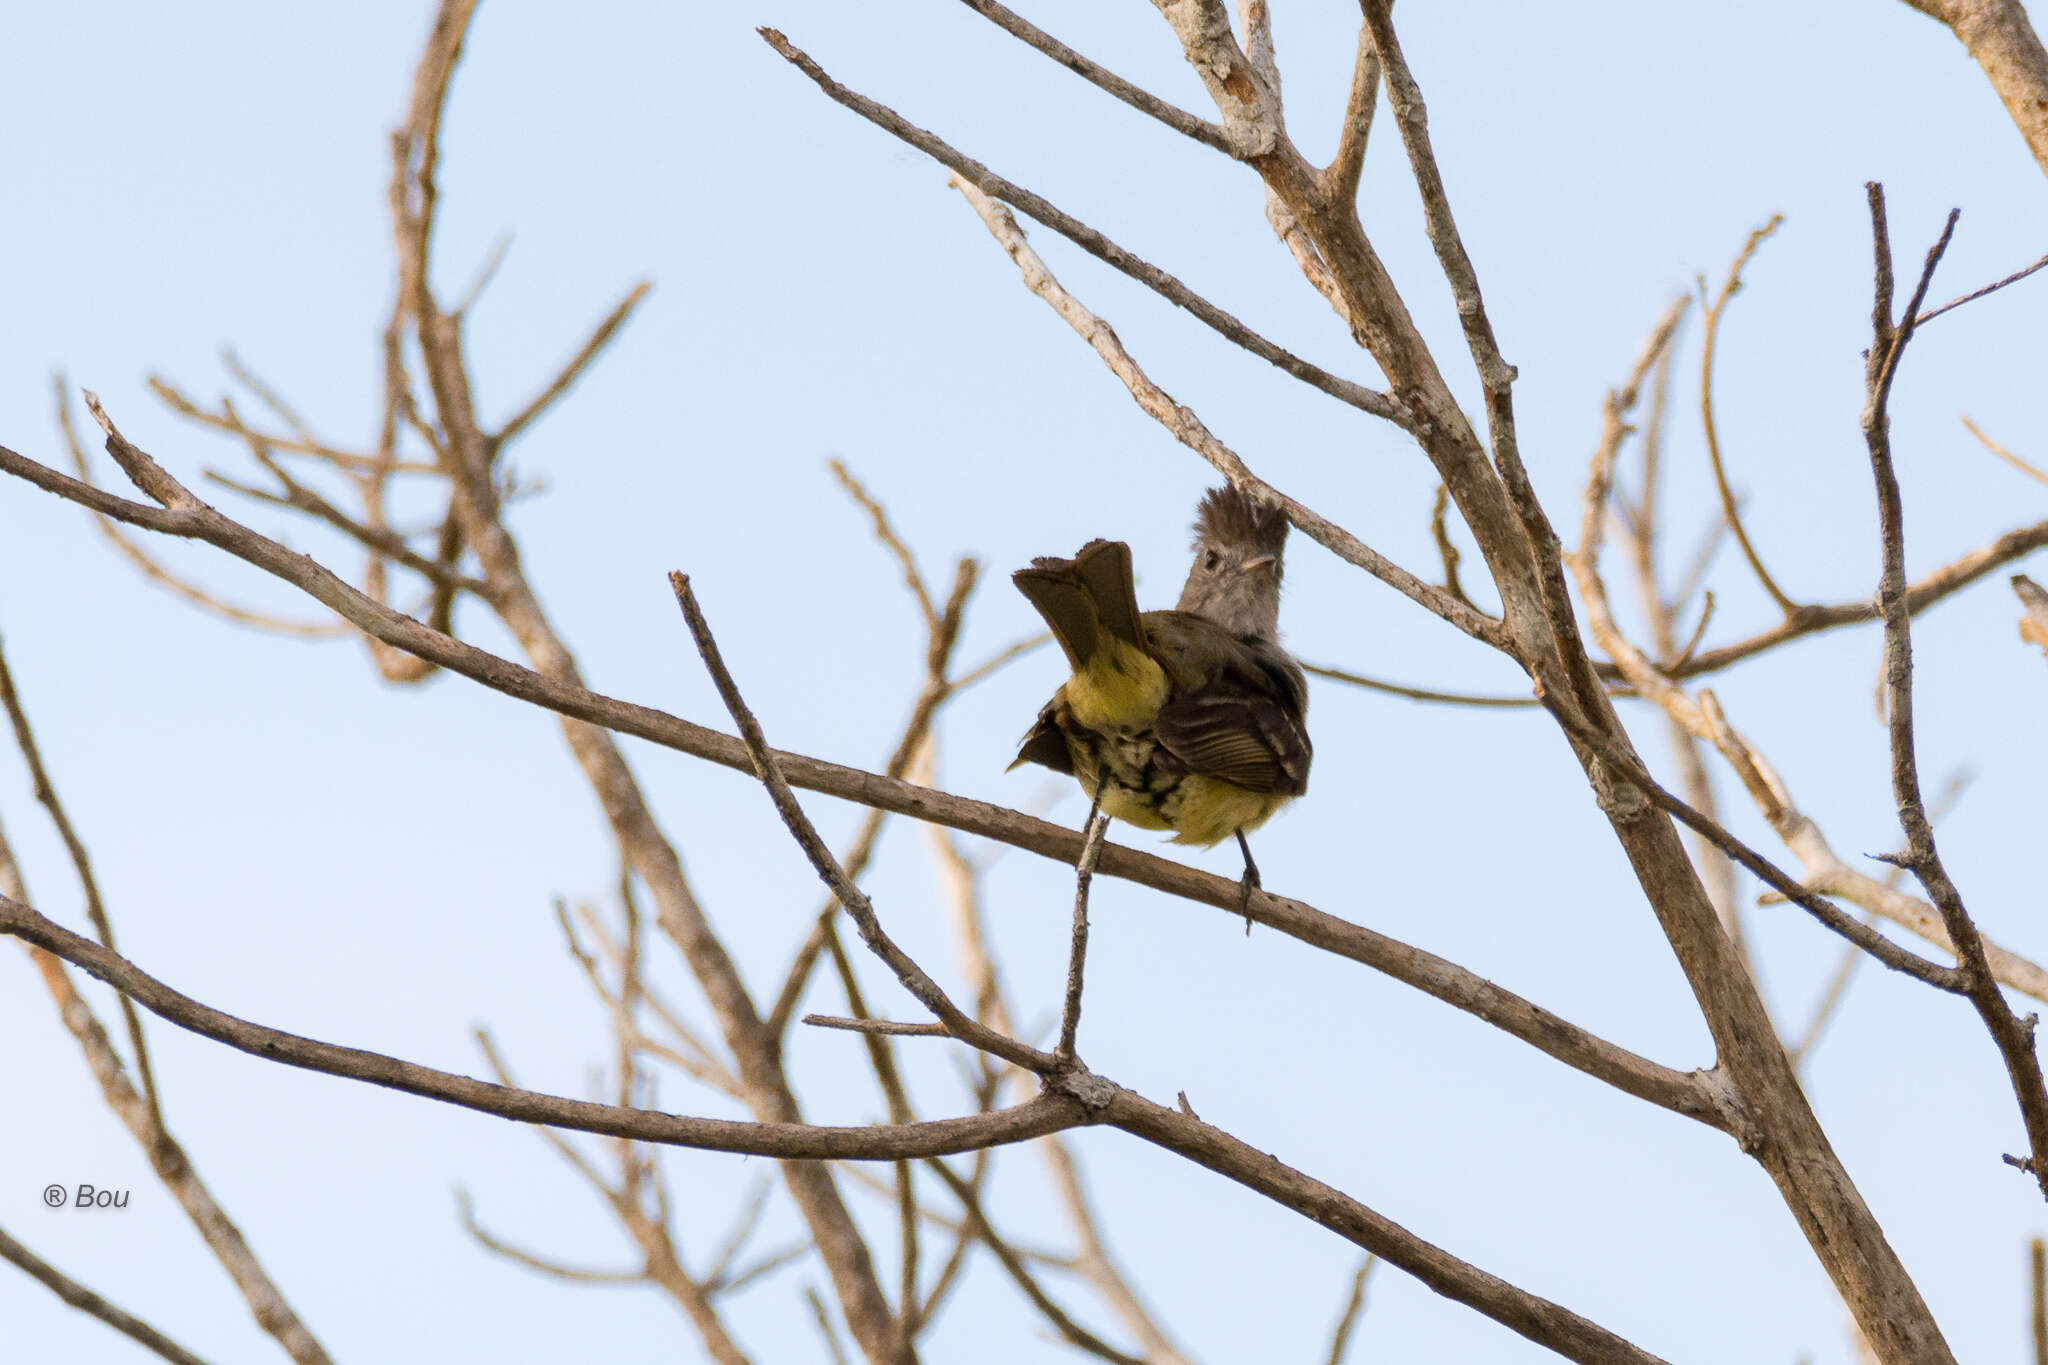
283,836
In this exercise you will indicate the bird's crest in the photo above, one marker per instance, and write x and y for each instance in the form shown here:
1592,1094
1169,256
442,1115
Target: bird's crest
1228,517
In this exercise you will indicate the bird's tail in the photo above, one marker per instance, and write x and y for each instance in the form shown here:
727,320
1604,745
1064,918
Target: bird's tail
1092,607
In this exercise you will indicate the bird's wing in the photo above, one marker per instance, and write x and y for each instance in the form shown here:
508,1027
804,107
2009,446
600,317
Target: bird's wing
1241,722
1045,743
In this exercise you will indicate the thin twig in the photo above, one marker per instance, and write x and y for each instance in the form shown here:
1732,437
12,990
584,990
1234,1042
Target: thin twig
737,1236
1340,1340
498,1246
851,897
347,461
938,1137
2026,467
1404,98
1094,243
1922,857
385,544
1417,693
81,864
1425,971
1975,294
567,376
1093,1257
942,635
885,1027
1188,429
172,1165
1174,117
1077,952
154,570
1001,657
1717,873
91,1304
2037,1267
1877,945
1837,989
1013,1264
1440,532
767,1265
823,1319
1729,288
1696,566
1692,642
886,533
1830,1001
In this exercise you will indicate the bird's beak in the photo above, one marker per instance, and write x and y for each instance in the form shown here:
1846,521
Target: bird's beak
1261,562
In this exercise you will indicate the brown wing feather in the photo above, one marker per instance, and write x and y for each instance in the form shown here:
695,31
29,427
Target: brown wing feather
1242,736
1045,743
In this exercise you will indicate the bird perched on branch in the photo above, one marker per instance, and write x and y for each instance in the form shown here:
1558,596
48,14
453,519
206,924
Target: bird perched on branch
1191,719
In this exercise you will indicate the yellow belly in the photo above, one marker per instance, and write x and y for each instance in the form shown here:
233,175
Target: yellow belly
1120,689
1199,810
1208,810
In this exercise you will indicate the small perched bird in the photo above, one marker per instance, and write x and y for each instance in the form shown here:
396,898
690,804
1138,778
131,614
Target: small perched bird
1191,719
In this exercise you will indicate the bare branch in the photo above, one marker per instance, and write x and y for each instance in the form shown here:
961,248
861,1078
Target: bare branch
1404,100
1174,117
1939,584
1340,1340
2032,471
573,371
2001,38
485,273
91,1304
1729,288
851,897
941,1137
172,1165
1528,566
497,1246
1446,551
1094,243
882,1027
349,461
1188,429
1415,693
2037,1266
2014,1039
1650,683
1976,294
1077,953
977,1221
737,1236
153,569
81,863
1837,989
824,1320
886,533
1340,177
996,661
1717,873
1539,1320
1425,971
386,544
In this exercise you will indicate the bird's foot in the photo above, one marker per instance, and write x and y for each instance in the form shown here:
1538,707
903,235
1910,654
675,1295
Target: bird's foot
1245,886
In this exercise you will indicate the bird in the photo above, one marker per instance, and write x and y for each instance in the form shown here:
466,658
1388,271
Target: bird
1190,720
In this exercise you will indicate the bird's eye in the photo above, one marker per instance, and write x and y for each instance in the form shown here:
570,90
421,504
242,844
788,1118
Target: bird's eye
1210,561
